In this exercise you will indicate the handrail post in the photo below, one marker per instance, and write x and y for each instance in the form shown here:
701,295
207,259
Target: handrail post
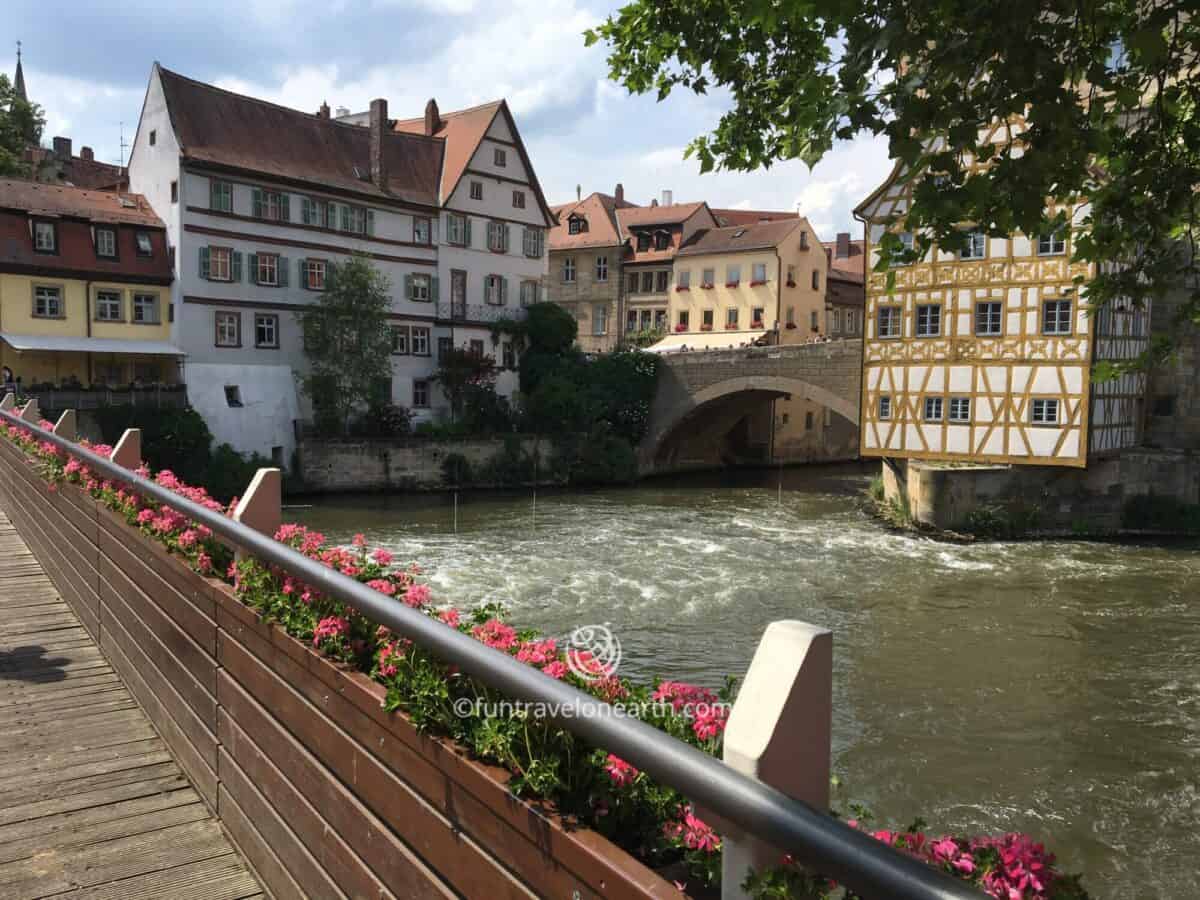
9,402
779,734
261,507
66,426
31,412
128,452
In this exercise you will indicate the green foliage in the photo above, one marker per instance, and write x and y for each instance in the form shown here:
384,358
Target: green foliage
875,489
456,469
460,369
645,337
511,466
1161,513
228,473
550,329
1014,519
596,458
1107,90
21,125
348,342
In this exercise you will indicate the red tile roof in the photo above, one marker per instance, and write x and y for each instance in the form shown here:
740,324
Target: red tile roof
750,216
848,268
644,216
221,128
735,238
600,213
61,200
74,211
77,171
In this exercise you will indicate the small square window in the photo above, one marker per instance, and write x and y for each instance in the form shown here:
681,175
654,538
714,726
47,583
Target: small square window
519,199
929,320
975,247
153,137
1052,244
889,322
1044,412
421,394
228,329
145,309
45,237
960,409
476,190
108,306
989,319
885,407
422,234
500,157
144,247
233,395
266,330
47,302
759,273
1056,317
933,409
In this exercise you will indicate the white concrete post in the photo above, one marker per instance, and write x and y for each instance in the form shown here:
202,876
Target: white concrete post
128,452
261,507
9,402
31,413
779,733
65,426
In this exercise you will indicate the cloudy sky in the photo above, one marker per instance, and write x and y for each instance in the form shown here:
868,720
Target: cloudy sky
88,69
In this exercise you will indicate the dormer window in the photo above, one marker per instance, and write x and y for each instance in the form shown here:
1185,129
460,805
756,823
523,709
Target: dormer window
106,243
662,240
643,241
575,225
144,247
45,238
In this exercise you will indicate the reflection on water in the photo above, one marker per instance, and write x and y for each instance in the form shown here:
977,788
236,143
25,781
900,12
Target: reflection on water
1050,687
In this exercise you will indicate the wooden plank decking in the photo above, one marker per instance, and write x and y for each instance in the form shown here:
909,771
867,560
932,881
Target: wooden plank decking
91,802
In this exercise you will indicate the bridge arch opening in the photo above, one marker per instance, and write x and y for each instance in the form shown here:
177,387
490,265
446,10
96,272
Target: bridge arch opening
733,421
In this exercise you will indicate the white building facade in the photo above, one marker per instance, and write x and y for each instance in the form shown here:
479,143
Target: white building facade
262,201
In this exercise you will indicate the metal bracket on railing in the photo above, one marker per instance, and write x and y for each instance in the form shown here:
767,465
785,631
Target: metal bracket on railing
9,402
128,452
67,426
261,507
31,413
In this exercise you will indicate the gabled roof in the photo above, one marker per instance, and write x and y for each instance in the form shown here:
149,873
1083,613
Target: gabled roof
463,130
647,216
600,213
847,268
738,238
221,128
57,200
727,217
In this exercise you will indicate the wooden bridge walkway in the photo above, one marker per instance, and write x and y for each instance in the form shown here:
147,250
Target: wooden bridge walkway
91,802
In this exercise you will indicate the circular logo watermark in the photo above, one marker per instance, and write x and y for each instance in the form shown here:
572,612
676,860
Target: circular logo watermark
593,652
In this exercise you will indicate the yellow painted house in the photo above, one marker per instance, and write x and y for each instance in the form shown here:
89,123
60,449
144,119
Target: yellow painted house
85,290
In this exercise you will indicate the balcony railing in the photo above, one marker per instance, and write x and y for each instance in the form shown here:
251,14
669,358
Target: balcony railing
159,397
447,311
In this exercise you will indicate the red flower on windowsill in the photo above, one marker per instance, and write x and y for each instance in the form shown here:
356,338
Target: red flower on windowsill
731,326
757,283
791,326
681,287
791,283
732,283
706,328
757,323
680,328
706,286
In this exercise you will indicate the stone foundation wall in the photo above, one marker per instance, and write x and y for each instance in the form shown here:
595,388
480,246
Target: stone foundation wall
1042,498
1173,418
372,464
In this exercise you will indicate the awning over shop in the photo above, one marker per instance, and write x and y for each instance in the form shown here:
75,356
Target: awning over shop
706,340
66,344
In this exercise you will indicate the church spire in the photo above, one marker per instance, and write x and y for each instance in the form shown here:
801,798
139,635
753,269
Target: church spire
19,80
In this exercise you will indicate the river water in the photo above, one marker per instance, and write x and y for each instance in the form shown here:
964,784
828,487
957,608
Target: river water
1045,687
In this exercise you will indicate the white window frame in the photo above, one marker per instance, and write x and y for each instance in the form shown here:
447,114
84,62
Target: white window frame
1057,323
999,318
476,190
145,246
758,273
733,276
399,340
105,297
422,230
683,279
885,407
1052,244
1040,409
533,241
106,242
220,253
497,233
602,269
929,323
599,319
976,247
528,292
932,409
268,263
228,328
568,270
518,199
574,225
419,338
894,317
266,323
51,297
315,273
960,410
45,237
493,290
139,305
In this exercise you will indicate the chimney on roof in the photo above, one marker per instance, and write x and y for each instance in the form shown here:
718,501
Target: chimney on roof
379,124
62,147
433,121
654,202
323,112
86,154
578,192
668,196
843,245
619,193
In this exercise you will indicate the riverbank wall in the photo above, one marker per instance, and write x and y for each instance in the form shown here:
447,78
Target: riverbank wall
328,465
1140,490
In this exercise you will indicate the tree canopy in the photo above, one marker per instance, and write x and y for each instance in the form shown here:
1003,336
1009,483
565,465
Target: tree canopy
21,124
1108,89
348,342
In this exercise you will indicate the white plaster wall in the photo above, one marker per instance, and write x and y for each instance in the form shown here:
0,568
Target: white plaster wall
269,405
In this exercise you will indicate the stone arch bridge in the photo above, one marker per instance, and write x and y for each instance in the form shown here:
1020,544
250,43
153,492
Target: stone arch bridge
703,397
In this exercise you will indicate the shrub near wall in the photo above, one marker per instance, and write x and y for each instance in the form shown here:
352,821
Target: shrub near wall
283,731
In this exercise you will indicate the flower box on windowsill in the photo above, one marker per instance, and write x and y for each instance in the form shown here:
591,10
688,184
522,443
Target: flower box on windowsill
680,328
791,326
706,286
757,325
791,283
681,287
706,328
757,283
731,326
732,283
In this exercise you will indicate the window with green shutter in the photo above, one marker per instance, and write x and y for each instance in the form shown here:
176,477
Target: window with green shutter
220,195
204,256
256,203
283,270
236,267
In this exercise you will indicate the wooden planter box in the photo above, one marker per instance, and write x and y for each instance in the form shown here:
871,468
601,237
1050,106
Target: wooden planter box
323,791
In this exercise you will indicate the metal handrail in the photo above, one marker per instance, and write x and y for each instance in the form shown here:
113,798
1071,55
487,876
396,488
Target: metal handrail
813,837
